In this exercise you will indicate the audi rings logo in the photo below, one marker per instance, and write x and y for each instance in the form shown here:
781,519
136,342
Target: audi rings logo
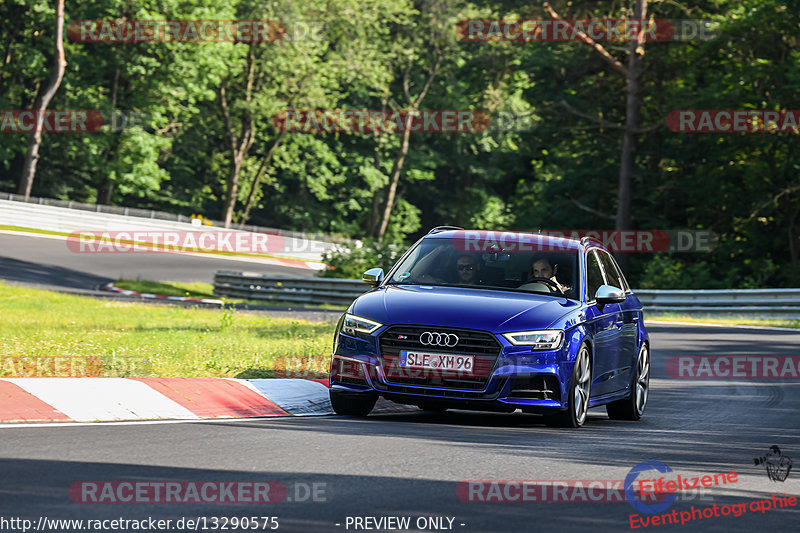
438,339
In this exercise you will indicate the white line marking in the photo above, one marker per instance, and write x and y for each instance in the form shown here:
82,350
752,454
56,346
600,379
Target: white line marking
709,325
288,261
30,234
134,422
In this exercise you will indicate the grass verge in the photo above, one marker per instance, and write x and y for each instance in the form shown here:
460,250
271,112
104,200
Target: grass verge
136,340
766,322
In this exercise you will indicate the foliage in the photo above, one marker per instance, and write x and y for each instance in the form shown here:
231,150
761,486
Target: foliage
352,262
548,165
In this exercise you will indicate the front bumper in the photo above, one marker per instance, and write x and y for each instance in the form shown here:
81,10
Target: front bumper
519,378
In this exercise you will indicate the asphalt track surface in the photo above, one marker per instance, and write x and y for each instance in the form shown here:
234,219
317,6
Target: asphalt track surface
409,464
47,262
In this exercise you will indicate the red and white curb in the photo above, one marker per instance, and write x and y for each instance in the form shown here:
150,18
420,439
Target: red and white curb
115,399
109,287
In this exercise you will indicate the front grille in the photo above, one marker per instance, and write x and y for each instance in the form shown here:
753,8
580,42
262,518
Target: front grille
480,344
441,393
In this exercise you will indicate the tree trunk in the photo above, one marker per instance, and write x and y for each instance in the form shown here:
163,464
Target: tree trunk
372,223
251,198
35,139
394,179
414,104
239,147
106,188
633,108
106,191
793,253
231,190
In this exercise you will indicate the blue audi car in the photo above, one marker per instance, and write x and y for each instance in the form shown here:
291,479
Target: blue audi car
495,321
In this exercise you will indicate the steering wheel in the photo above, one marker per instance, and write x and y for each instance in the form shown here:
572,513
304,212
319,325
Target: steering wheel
547,281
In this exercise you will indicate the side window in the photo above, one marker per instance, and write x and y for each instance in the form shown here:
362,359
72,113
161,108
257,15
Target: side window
625,285
594,276
612,274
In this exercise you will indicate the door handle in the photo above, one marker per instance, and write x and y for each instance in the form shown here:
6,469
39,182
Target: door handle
620,323
636,319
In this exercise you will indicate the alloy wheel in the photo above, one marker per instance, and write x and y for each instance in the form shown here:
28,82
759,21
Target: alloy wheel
642,379
580,400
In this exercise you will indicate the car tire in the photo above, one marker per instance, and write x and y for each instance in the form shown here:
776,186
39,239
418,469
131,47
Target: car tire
351,404
580,387
632,407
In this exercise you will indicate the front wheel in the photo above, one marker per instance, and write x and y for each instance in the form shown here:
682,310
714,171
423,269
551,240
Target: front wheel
580,387
632,408
359,405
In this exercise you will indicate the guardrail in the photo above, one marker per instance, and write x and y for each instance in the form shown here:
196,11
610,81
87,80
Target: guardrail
71,218
310,291
165,217
753,303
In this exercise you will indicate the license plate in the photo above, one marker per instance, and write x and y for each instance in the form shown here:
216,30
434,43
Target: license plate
437,361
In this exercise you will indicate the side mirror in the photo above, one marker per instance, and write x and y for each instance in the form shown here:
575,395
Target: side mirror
373,277
608,294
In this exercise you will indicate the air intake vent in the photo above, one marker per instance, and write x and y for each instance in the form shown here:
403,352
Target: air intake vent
536,387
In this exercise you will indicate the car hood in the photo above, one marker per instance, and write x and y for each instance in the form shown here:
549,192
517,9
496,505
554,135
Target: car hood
463,307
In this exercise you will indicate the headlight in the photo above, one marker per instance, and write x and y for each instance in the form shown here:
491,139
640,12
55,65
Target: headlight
545,339
355,324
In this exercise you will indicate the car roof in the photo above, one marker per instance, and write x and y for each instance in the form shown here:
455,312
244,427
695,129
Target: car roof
515,237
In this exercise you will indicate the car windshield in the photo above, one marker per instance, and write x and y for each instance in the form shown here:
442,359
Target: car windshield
442,261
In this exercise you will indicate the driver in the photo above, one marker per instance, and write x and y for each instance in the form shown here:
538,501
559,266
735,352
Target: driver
468,268
543,268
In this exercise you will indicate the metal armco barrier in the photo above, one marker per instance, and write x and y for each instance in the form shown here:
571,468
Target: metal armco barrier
310,291
68,217
753,303
141,214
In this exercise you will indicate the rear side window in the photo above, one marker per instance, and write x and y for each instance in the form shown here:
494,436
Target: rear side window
612,274
594,276
625,285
